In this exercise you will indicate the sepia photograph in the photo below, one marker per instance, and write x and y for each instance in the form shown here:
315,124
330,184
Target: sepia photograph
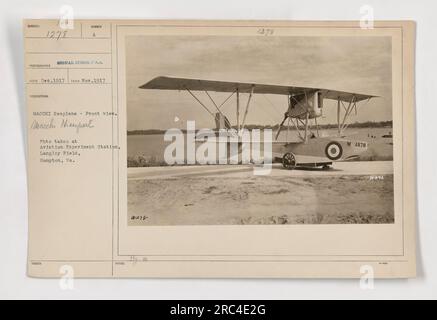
226,130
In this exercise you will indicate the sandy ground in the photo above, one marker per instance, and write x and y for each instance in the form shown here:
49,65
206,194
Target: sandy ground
352,192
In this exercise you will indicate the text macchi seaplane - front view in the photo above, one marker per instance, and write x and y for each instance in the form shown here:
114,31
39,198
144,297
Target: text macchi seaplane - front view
305,105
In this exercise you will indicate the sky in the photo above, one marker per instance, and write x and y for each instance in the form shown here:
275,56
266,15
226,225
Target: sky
353,64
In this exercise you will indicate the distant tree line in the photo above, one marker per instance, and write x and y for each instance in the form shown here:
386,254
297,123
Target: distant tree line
367,124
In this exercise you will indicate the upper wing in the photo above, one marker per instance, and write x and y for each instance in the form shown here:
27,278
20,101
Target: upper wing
170,83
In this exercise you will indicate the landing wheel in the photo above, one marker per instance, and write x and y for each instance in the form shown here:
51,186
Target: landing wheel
289,161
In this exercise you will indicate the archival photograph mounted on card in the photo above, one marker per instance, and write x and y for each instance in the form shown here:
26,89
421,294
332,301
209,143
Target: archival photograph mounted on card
220,148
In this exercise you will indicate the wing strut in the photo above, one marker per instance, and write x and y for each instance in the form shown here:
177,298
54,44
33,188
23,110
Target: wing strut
285,118
200,102
351,105
280,127
226,100
213,102
238,110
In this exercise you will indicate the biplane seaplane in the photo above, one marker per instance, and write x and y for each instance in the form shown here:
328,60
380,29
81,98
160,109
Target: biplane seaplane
305,106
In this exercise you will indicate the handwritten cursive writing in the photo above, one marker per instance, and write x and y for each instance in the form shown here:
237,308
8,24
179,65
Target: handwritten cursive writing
78,125
65,123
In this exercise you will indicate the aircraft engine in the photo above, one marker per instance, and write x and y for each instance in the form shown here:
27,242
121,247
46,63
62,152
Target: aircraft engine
315,105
